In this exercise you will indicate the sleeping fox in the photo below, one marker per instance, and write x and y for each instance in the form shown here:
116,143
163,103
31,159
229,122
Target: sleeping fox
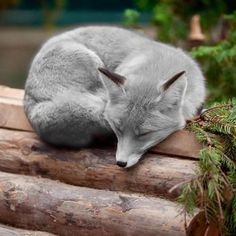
100,81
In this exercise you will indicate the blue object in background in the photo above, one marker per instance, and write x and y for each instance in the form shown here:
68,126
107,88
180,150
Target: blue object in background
67,12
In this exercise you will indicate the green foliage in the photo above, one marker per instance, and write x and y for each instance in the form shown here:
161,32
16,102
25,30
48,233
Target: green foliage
173,16
219,64
214,188
131,18
171,26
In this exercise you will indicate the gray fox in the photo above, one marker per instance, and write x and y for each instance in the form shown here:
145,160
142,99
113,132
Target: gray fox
99,81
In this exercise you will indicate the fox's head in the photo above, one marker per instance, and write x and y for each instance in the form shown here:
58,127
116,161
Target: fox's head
142,114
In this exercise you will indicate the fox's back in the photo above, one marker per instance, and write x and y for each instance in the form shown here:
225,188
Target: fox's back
111,44
116,47
60,64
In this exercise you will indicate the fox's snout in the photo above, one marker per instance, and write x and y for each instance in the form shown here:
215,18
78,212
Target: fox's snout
126,161
129,151
121,163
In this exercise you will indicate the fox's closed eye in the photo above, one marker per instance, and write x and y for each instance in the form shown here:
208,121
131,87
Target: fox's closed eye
145,133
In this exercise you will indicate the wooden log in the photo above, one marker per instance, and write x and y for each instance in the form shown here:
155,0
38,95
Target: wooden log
22,152
181,143
12,114
12,93
11,231
43,204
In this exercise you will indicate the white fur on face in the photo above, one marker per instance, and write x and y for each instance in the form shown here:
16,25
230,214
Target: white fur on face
123,156
132,145
144,118
132,160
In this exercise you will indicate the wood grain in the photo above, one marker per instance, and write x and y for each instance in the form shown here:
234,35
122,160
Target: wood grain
179,144
12,115
12,93
12,231
24,153
42,204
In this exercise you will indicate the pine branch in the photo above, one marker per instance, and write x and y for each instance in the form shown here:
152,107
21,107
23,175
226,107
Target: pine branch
214,188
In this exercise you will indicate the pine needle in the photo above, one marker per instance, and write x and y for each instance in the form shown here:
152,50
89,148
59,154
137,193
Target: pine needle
214,188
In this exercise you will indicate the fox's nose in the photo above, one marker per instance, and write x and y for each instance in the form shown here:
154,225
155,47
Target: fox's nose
121,163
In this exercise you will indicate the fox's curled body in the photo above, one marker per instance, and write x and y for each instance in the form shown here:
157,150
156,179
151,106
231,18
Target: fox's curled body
69,102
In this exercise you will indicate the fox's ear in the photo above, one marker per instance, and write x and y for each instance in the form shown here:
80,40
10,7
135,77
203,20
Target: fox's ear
172,80
113,82
174,89
116,78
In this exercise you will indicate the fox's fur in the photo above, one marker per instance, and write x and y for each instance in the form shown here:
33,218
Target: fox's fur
97,81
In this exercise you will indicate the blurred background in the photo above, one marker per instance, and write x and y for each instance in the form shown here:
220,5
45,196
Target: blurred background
205,28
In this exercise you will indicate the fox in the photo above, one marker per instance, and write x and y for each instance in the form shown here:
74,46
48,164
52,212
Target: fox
106,81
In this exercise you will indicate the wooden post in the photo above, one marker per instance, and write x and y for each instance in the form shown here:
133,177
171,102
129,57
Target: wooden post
196,37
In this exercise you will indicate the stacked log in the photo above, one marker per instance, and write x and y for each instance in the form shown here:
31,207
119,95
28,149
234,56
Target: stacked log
11,231
44,204
83,192
23,153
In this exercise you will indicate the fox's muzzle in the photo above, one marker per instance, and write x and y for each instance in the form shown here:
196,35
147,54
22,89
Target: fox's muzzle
121,163
127,161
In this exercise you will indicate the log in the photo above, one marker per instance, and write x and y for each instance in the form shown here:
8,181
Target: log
43,204
12,93
22,152
12,114
11,231
181,143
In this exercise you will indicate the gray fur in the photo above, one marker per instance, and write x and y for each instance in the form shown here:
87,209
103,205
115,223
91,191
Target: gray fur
69,102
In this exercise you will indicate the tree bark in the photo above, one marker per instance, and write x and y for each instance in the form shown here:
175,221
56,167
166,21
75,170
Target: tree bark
23,153
11,231
43,204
